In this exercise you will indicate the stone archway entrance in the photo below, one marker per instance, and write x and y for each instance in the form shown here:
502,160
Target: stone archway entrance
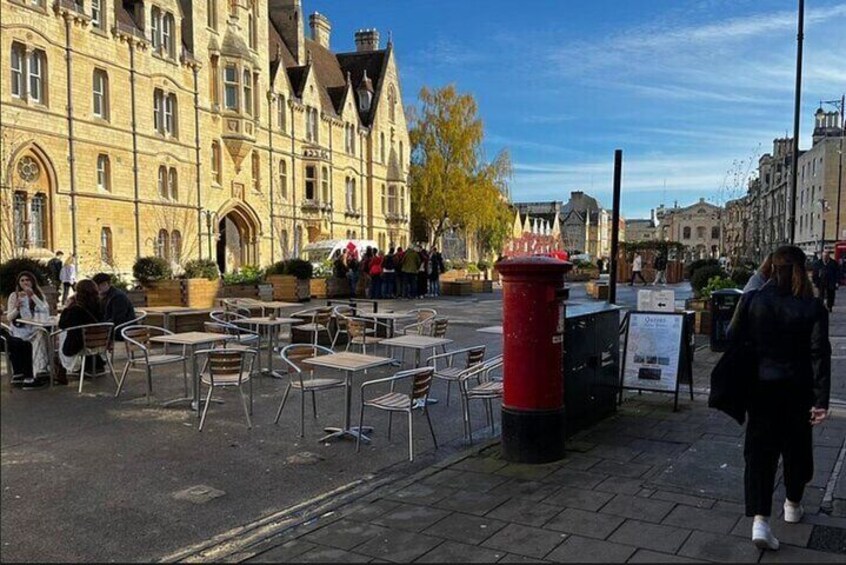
237,242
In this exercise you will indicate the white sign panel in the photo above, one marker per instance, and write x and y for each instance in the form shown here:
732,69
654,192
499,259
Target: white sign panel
653,351
656,300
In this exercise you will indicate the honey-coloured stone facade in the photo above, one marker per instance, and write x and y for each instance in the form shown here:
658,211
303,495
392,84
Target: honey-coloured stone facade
194,130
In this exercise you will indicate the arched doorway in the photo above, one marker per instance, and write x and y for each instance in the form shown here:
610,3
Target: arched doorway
237,242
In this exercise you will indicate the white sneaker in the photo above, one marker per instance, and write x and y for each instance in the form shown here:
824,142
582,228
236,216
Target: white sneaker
793,512
762,535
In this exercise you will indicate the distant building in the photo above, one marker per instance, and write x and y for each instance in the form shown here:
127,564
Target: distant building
696,226
640,230
816,201
533,234
735,224
586,226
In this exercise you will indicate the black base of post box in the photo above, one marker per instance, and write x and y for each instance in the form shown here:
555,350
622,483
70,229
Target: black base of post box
533,436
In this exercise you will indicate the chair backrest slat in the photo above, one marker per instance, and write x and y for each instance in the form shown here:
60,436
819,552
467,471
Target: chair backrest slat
96,336
223,363
422,382
475,356
322,316
357,327
439,328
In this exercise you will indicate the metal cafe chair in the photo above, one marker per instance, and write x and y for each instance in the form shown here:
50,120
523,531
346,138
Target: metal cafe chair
4,351
140,315
449,371
96,340
341,314
144,355
476,383
228,368
302,377
422,324
320,319
418,392
361,332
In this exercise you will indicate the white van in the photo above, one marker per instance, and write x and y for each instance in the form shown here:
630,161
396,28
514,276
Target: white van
319,251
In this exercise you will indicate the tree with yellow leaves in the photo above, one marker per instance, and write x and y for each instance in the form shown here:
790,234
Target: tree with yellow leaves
452,185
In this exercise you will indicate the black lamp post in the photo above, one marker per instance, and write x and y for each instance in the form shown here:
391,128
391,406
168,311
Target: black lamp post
209,214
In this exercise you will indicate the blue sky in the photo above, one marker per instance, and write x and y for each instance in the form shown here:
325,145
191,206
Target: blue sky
693,91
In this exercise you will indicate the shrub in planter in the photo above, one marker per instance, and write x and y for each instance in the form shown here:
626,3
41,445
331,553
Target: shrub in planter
701,276
300,268
741,276
278,268
202,269
10,270
715,284
151,269
689,270
246,275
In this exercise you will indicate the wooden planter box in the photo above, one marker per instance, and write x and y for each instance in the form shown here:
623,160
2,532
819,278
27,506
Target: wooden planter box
138,297
697,304
164,293
481,286
200,293
597,290
457,288
702,323
318,288
303,290
257,291
337,288
284,287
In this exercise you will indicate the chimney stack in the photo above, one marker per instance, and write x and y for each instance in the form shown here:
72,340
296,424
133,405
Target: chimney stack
321,29
287,17
366,40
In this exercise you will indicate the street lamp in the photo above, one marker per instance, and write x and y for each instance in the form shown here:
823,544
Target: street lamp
209,214
824,207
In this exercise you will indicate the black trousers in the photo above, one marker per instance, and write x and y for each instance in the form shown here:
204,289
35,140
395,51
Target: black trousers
637,274
20,354
827,295
778,426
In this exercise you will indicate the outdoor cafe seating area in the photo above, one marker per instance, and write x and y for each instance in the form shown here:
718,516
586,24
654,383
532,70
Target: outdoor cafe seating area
372,361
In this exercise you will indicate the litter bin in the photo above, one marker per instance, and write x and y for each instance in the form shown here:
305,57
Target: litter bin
723,304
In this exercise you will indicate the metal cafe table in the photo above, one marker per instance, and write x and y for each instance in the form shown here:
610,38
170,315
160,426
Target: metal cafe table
192,340
390,319
266,325
166,311
418,343
349,363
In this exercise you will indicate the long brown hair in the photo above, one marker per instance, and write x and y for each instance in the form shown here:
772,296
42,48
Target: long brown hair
789,272
36,290
87,297
766,268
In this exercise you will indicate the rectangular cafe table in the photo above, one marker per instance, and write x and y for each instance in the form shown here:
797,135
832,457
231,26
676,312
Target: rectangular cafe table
265,327
418,343
389,318
192,341
166,311
349,363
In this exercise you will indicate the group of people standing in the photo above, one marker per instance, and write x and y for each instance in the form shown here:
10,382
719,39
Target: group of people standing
94,301
410,273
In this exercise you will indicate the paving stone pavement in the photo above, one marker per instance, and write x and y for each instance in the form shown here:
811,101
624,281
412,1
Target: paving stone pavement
647,485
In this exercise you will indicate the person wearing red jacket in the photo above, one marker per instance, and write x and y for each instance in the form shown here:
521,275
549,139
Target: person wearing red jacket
376,275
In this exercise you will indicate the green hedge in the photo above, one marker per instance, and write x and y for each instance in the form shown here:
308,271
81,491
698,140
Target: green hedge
151,269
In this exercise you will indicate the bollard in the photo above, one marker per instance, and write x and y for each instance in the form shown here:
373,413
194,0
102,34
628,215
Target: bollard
533,419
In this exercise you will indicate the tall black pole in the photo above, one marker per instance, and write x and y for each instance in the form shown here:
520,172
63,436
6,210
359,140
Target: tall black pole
800,38
615,226
837,236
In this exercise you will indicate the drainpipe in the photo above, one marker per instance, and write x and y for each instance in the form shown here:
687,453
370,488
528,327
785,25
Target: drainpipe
71,153
270,175
297,241
197,150
331,184
132,72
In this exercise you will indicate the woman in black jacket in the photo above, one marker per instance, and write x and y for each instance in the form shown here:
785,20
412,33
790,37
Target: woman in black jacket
82,309
786,331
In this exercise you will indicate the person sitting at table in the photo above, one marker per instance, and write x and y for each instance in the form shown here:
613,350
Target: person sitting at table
82,309
117,308
28,303
20,355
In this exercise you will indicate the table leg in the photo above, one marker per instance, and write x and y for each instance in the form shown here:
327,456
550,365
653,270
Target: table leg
195,379
347,431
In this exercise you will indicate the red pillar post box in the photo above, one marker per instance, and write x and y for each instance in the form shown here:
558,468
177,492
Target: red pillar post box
533,418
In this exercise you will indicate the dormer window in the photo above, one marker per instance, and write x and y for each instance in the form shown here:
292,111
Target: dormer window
162,32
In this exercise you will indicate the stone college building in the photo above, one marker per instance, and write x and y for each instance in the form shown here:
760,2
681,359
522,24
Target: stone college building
212,128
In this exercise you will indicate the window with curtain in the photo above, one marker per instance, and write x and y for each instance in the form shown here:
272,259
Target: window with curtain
324,180
163,245
37,73
248,93
256,162
173,184
310,182
101,94
230,87
18,71
103,173
106,249
162,181
96,14
283,179
176,246
215,161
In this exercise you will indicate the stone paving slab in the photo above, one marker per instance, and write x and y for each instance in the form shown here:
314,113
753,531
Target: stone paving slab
667,539
584,550
525,540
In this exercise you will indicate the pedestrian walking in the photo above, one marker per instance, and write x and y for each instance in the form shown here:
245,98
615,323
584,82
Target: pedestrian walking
761,276
376,275
780,376
825,278
55,265
389,275
660,266
436,268
637,267
68,278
